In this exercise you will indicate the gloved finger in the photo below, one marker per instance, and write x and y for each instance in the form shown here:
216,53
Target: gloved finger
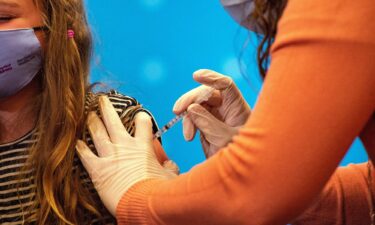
233,95
189,129
143,126
213,79
112,121
159,152
220,82
209,148
205,145
193,96
171,166
88,158
188,98
204,120
99,135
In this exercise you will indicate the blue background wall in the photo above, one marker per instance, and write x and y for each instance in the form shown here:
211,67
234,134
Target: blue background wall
149,49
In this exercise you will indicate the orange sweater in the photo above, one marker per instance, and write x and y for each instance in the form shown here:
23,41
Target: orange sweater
318,96
344,200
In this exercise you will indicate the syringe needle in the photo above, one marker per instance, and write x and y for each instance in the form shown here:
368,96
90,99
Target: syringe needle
179,117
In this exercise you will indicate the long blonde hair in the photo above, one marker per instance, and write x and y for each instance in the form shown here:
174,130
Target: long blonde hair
60,194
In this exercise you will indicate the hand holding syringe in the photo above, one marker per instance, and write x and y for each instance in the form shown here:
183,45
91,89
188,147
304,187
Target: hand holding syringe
205,96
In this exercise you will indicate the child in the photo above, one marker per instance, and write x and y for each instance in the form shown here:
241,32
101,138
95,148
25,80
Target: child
44,99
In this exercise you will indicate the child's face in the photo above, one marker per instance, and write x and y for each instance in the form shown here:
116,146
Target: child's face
16,14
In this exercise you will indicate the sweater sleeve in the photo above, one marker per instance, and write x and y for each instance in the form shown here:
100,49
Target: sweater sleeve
318,95
344,200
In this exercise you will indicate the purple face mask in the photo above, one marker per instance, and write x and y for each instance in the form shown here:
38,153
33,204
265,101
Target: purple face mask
239,11
20,59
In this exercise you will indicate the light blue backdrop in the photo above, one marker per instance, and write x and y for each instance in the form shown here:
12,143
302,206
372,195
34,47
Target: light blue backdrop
149,49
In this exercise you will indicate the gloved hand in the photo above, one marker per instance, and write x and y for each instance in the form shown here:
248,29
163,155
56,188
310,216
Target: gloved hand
219,118
123,160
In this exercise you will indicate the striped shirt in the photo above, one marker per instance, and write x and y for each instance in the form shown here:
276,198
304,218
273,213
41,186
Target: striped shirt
14,155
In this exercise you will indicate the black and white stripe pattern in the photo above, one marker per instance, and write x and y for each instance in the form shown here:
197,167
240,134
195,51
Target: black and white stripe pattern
14,155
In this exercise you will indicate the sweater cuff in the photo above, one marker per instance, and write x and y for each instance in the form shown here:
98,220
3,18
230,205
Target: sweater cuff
133,206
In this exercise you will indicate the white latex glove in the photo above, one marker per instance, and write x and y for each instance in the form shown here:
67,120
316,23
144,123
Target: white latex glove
220,118
123,160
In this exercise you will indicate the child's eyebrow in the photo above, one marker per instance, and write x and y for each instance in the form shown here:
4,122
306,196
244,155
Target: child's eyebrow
10,4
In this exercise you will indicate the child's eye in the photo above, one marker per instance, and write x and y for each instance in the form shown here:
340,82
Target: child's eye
5,18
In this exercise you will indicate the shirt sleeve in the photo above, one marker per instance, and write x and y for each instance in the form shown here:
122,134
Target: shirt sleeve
344,200
127,108
318,95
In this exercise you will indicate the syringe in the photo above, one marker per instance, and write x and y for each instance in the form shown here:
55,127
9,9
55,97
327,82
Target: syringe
204,97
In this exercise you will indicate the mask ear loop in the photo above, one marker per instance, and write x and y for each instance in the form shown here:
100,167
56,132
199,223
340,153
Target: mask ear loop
41,28
70,32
